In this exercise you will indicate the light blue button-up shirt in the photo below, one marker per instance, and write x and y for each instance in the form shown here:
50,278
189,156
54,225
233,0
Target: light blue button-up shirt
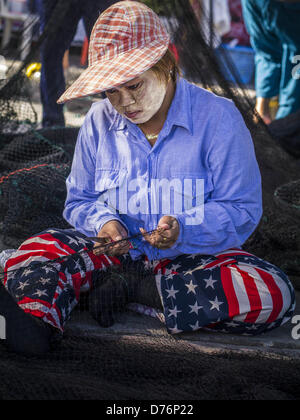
205,157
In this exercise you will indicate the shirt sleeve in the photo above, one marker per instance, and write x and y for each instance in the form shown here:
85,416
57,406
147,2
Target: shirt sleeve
234,207
84,208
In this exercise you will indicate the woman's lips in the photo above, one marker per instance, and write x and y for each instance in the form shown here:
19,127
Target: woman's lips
132,115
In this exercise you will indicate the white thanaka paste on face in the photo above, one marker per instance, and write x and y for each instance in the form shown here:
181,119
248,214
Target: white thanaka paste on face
147,98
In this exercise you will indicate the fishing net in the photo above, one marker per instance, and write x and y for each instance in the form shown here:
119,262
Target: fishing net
139,368
145,363
36,158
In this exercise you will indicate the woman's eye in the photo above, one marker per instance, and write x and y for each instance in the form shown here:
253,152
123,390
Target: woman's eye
111,91
134,87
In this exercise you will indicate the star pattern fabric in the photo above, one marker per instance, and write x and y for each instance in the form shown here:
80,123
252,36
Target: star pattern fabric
231,292
45,281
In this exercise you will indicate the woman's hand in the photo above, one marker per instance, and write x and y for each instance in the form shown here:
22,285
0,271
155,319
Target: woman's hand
166,234
111,232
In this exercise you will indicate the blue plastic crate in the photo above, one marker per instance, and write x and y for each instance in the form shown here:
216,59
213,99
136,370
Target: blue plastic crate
237,63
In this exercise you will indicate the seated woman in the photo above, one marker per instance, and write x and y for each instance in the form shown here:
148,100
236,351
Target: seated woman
161,155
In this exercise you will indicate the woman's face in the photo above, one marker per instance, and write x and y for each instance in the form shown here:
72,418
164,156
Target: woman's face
140,99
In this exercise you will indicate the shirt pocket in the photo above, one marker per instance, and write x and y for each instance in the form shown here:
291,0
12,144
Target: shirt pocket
107,179
110,183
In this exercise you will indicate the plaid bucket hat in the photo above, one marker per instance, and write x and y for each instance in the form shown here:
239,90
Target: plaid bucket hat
127,40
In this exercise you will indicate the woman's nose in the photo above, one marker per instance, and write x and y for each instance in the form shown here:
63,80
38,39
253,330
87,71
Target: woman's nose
126,99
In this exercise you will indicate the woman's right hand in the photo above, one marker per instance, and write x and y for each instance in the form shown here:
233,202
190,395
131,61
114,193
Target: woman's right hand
112,231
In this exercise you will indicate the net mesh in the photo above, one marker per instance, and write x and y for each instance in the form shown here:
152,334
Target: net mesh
148,364
174,371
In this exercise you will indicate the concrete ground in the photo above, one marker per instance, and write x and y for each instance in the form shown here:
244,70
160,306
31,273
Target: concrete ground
276,342
280,341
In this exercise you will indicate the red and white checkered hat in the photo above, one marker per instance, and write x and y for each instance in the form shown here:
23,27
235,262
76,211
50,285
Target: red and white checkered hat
127,40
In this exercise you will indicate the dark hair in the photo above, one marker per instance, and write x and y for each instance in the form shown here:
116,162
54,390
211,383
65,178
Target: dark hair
166,67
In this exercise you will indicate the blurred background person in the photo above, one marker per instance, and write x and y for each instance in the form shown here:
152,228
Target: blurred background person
274,29
54,47
216,14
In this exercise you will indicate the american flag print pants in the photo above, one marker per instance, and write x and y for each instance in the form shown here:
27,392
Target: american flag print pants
233,291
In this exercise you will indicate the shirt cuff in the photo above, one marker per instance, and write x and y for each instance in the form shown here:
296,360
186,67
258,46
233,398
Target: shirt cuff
107,219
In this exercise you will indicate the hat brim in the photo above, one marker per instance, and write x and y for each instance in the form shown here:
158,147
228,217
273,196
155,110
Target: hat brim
108,74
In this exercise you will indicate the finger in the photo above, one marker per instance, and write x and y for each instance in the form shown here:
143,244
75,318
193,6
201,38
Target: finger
172,232
111,250
165,240
115,251
120,244
102,240
99,247
123,251
164,236
123,233
114,234
157,240
114,231
167,236
146,235
163,226
109,247
98,250
119,234
143,231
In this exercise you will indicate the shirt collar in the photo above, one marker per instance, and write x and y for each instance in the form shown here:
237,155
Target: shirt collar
180,112
118,122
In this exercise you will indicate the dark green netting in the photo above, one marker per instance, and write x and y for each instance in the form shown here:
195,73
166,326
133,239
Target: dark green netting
144,368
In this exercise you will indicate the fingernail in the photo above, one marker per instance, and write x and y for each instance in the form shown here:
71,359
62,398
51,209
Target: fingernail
118,238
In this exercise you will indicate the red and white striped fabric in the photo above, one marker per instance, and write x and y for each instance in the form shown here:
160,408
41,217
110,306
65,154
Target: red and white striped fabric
45,283
254,295
127,40
233,291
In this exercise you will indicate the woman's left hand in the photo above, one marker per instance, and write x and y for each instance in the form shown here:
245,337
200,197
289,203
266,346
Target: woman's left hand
166,234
